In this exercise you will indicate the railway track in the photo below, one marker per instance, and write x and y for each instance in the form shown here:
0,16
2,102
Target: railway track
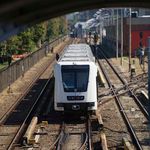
72,134
130,107
23,125
123,90
15,119
75,135
65,137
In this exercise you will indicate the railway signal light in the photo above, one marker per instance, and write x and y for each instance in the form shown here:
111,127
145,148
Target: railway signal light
141,35
140,44
89,32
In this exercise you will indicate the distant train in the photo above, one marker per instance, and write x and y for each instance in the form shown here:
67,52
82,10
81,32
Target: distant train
75,88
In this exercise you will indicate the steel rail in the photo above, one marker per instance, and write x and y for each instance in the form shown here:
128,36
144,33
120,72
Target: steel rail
84,144
29,113
132,93
58,138
122,111
139,76
122,80
122,88
87,139
105,100
20,129
23,94
60,135
59,142
89,136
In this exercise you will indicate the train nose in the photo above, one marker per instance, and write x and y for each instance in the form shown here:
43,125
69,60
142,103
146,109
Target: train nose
75,107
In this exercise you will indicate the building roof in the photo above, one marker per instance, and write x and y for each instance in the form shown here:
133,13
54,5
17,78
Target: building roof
88,24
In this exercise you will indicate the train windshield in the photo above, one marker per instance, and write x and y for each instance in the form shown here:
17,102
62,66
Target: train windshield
75,78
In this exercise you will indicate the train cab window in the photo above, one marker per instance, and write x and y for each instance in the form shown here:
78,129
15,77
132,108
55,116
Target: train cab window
75,78
82,81
68,79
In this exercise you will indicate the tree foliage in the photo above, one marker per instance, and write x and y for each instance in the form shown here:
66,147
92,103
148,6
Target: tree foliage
29,40
73,20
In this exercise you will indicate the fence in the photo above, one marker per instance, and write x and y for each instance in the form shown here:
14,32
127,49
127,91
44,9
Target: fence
26,62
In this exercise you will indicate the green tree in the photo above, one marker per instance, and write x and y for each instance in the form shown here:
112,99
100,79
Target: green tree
62,25
50,29
39,31
29,39
8,47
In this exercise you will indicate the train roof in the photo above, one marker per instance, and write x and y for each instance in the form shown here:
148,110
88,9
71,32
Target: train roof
77,53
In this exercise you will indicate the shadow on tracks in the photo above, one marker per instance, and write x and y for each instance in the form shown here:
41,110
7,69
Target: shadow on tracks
20,112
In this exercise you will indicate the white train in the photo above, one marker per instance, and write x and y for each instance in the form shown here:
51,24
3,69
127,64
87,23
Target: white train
75,88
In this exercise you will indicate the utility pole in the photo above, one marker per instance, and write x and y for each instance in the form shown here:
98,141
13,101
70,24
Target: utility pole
9,64
107,31
117,37
69,35
87,12
130,40
109,34
121,36
101,30
113,26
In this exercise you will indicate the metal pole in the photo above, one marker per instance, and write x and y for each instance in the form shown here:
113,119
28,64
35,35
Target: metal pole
9,89
69,35
143,47
121,36
149,84
144,62
130,40
9,63
48,41
108,30
9,77
101,32
117,37
101,29
113,27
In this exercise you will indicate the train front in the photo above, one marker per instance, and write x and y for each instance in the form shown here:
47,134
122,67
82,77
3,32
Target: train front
75,87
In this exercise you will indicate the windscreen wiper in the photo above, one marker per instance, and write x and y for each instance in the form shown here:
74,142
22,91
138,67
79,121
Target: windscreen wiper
65,85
